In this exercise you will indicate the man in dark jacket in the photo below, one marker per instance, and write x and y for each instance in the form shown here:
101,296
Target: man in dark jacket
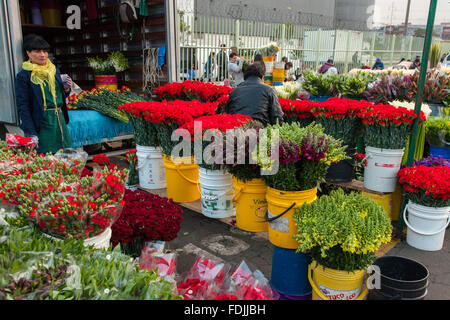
255,99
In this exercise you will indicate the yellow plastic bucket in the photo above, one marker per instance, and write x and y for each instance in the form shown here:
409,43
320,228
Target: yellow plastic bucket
251,205
181,181
331,284
281,205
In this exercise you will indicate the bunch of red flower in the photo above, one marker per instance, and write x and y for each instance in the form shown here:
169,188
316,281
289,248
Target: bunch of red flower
189,90
388,115
431,182
220,122
131,156
175,112
81,210
103,160
338,108
297,109
147,217
17,143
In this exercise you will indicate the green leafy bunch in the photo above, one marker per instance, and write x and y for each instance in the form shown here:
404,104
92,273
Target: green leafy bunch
352,87
342,231
319,84
114,63
437,131
70,271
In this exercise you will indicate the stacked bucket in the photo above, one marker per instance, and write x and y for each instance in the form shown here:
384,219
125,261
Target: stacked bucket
289,267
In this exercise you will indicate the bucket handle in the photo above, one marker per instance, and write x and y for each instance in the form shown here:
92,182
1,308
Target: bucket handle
184,177
421,232
267,219
238,191
368,156
361,296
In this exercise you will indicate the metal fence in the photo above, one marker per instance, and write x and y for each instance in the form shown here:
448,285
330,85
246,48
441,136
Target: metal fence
205,43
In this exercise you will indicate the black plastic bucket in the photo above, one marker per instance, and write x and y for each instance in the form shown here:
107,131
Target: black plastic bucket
400,279
343,171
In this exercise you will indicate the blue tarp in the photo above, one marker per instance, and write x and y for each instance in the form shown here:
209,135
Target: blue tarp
161,56
89,127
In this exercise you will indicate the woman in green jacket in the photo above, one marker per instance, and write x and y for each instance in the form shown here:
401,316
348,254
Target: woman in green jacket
41,98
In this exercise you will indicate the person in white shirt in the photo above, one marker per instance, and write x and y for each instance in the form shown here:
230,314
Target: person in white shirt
235,68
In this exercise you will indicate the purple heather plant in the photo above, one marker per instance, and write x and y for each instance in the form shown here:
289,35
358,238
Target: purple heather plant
431,161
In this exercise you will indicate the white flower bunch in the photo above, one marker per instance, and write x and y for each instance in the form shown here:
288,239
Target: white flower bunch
411,106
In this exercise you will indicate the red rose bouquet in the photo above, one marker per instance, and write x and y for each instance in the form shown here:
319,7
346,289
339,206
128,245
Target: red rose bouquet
145,217
426,186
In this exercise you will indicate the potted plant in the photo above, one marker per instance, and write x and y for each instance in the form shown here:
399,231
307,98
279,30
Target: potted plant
216,184
303,155
387,129
341,232
250,189
320,86
105,71
427,190
352,87
435,89
340,118
437,133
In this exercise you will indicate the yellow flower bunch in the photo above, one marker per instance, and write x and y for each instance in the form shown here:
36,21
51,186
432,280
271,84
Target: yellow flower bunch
353,222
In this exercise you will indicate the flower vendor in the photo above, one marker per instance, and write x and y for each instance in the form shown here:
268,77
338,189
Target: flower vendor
41,98
255,99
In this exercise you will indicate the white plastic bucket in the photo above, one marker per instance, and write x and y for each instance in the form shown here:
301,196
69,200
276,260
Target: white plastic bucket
381,169
152,174
217,193
426,226
101,241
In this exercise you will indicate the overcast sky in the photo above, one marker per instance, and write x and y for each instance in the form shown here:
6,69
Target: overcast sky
395,11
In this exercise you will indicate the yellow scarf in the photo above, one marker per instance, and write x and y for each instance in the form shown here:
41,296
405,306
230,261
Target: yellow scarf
41,76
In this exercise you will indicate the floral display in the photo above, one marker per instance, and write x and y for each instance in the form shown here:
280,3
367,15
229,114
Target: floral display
341,118
194,90
211,127
132,159
104,101
352,86
297,110
115,62
154,122
305,153
35,267
432,161
342,232
289,90
437,132
320,85
49,191
388,127
146,217
426,185
19,143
